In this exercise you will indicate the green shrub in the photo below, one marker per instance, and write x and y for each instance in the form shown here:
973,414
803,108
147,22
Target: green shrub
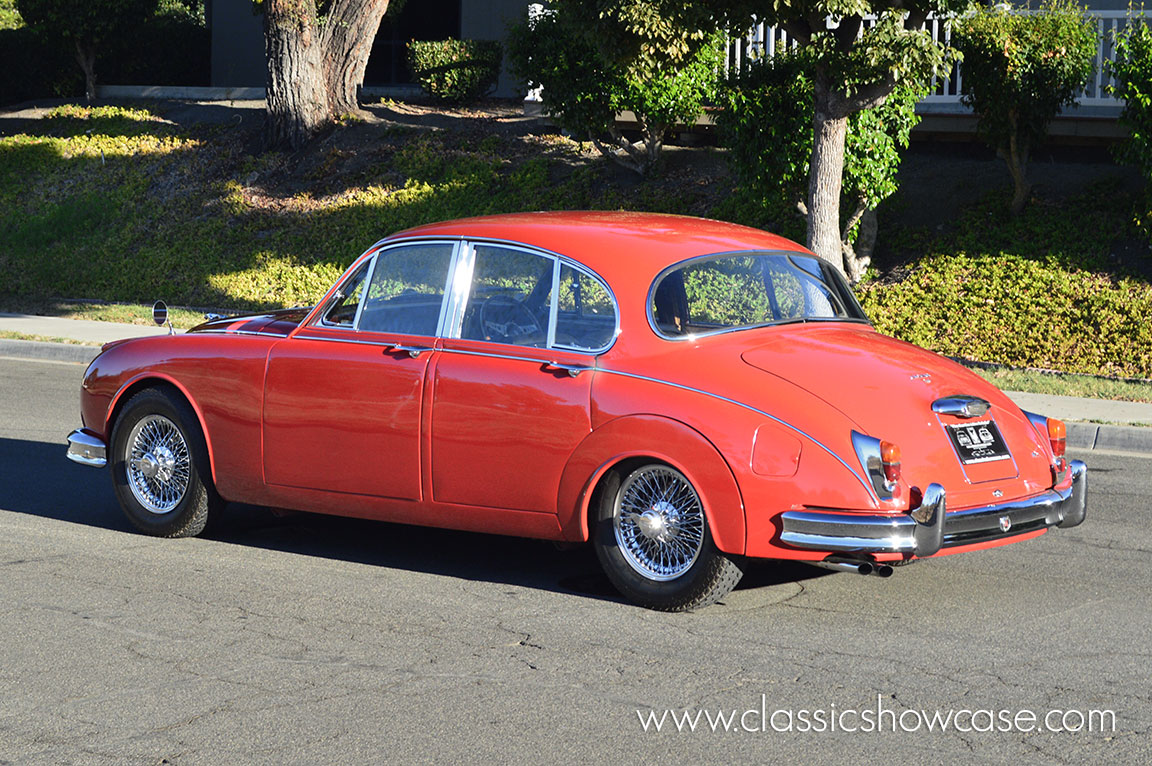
1020,69
1132,71
766,124
584,90
455,71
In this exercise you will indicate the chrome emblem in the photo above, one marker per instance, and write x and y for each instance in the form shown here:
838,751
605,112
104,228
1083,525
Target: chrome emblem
1005,523
921,376
997,493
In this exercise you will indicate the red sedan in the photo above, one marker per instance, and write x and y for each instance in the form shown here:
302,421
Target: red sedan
684,394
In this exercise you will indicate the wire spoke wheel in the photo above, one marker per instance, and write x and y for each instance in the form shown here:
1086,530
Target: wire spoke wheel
158,464
658,522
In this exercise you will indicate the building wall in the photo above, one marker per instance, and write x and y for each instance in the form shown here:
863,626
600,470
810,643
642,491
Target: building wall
238,39
237,45
489,20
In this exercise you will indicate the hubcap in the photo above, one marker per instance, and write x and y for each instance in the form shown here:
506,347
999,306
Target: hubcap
157,464
659,523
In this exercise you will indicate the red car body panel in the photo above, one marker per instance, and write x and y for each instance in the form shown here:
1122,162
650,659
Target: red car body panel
481,436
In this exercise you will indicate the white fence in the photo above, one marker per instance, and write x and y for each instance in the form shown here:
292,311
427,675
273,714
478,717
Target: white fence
765,40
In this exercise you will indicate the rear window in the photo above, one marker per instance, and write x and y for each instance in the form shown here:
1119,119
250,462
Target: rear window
735,291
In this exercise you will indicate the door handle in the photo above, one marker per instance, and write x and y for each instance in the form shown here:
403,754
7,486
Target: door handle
413,351
572,369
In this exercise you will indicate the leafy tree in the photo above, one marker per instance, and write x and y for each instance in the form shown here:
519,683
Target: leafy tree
316,52
9,16
1132,71
87,24
766,125
597,58
1019,70
855,67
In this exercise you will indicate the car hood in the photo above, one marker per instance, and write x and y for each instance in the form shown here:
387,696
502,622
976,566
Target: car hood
279,322
887,387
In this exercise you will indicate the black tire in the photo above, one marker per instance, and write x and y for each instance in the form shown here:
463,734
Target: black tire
178,497
699,574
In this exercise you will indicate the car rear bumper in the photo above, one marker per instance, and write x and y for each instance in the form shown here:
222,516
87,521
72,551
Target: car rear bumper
86,448
926,529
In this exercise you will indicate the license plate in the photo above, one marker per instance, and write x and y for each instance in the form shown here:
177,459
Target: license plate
978,442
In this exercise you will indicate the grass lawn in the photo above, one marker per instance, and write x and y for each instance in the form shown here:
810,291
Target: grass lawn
119,204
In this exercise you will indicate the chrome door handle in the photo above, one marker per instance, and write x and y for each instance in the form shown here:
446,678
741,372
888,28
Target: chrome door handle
413,351
572,369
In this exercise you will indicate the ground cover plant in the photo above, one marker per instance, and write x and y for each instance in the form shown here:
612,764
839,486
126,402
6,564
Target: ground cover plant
119,203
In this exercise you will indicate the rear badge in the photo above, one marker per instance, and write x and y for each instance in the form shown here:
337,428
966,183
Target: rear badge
997,493
1005,523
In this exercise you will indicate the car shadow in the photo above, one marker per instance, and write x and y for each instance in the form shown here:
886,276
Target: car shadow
39,480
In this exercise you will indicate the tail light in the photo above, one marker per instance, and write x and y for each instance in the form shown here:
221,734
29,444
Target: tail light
1057,436
890,461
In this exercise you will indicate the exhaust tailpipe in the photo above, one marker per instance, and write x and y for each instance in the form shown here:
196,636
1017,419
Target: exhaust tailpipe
837,564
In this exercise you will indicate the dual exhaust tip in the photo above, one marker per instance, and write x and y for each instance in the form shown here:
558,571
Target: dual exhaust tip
858,566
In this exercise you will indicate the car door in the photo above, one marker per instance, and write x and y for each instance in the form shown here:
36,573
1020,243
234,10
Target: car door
343,398
511,384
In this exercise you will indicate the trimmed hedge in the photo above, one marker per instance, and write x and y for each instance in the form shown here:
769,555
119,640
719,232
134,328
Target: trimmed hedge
455,71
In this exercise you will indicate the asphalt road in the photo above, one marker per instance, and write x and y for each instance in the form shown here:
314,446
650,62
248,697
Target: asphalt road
310,640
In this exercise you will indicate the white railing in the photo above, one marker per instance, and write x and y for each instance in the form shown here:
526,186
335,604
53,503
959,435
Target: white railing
765,40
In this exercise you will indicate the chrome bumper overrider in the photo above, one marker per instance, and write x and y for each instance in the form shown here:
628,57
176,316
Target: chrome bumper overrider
86,448
930,527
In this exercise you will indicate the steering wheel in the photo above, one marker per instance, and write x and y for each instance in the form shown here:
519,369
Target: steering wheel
506,320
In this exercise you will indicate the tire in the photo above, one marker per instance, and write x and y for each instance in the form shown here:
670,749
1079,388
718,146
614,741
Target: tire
653,541
160,466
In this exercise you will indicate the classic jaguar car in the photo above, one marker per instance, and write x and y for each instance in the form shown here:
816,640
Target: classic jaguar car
684,394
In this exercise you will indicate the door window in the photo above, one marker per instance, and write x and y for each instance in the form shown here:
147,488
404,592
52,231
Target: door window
511,297
406,291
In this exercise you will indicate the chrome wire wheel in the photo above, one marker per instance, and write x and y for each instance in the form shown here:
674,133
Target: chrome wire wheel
658,522
158,464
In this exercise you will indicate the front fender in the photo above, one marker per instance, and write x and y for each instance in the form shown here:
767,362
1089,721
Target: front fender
665,440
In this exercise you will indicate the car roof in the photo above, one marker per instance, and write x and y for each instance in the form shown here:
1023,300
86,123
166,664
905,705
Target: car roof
616,244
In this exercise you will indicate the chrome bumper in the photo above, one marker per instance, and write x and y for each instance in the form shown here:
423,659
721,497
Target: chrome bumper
86,448
930,527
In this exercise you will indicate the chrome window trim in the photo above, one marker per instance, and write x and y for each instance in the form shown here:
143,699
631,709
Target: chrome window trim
723,331
364,293
510,357
357,341
867,486
554,303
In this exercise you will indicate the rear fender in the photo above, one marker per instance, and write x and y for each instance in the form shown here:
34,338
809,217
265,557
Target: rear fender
658,439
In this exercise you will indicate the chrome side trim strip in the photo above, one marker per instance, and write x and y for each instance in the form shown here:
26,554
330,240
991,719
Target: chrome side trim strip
381,343
492,355
867,486
241,332
87,449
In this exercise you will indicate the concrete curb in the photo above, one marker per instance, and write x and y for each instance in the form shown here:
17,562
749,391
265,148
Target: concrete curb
49,352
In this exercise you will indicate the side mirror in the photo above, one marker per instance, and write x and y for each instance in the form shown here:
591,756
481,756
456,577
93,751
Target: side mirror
160,315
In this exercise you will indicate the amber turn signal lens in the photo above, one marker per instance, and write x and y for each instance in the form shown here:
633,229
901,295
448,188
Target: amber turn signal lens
1057,436
890,460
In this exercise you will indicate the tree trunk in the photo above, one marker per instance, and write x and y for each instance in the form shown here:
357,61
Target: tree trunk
297,100
86,58
829,127
348,34
1017,158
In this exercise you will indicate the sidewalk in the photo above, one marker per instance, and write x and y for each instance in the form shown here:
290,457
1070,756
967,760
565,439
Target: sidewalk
1081,415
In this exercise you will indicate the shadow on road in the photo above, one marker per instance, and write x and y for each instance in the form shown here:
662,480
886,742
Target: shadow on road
40,481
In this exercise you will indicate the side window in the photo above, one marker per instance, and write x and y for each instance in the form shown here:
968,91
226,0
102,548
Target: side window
343,311
586,316
510,298
407,289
